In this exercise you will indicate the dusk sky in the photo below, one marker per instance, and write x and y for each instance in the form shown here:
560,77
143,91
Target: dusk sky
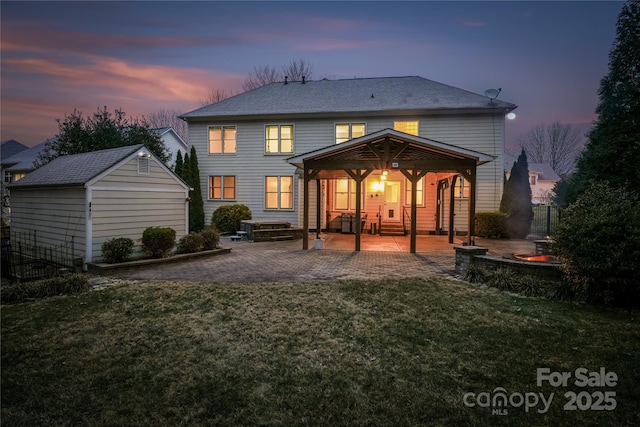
548,57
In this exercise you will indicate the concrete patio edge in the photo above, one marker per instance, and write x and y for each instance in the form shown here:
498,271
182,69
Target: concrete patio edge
104,268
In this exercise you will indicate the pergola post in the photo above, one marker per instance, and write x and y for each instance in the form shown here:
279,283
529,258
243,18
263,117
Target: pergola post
358,176
414,176
470,176
305,208
452,206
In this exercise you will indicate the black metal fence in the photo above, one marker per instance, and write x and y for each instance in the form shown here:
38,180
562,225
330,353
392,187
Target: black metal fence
24,259
545,219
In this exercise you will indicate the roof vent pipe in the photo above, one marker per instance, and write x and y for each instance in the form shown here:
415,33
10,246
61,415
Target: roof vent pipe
303,78
285,79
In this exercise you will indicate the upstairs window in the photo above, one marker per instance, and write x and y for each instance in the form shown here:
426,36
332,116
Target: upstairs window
532,180
347,131
222,139
279,139
407,127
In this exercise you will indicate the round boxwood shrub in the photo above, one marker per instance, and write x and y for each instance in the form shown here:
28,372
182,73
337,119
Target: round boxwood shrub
117,250
210,238
192,242
158,241
598,241
228,218
492,225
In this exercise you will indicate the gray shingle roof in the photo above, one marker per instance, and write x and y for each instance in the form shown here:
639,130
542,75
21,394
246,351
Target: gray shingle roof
23,161
349,96
10,148
75,169
544,170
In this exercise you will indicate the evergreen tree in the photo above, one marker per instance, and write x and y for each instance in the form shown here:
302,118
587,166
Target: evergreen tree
196,206
179,164
516,199
613,148
102,130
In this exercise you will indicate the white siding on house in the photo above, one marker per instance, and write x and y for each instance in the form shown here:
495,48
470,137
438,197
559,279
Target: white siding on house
56,215
250,165
173,145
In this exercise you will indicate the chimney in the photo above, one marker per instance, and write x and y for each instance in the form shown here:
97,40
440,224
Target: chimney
285,79
303,77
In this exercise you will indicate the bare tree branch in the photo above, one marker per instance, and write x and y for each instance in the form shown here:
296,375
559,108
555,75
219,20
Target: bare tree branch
216,95
556,144
169,118
261,76
296,70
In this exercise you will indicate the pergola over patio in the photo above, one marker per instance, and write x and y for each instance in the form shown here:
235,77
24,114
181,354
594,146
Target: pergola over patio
389,149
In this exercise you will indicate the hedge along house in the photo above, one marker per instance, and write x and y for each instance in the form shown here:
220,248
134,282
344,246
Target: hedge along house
350,143
96,196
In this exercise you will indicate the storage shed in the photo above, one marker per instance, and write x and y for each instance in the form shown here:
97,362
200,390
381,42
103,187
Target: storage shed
96,196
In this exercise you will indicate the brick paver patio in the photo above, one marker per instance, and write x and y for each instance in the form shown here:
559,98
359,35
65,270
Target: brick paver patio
285,261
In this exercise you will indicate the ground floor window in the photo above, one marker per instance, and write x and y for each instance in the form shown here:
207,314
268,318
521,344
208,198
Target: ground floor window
278,192
419,193
345,194
222,187
461,190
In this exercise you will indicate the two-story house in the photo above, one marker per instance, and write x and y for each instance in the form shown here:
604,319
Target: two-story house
398,150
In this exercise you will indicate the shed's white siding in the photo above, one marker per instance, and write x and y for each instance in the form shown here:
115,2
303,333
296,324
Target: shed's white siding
56,215
124,203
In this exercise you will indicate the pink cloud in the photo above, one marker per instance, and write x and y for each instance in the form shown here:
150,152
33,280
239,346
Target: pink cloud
154,82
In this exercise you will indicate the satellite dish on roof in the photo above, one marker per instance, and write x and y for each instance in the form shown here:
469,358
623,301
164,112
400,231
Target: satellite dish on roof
492,94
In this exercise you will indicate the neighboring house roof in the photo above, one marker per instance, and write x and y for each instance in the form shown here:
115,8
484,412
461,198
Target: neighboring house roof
368,95
162,131
10,148
23,161
75,169
544,170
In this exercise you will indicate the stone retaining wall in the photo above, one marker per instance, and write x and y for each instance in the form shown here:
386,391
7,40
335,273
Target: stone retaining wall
468,255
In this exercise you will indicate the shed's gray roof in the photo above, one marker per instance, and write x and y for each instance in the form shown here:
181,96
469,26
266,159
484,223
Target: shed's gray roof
75,169
381,94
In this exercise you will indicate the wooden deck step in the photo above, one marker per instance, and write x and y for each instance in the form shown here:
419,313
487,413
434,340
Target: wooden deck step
391,229
277,238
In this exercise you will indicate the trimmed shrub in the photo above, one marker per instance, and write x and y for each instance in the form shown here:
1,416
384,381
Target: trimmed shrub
158,241
492,225
210,238
63,285
117,250
192,242
228,218
598,242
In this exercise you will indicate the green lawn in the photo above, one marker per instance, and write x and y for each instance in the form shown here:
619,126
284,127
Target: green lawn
383,353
